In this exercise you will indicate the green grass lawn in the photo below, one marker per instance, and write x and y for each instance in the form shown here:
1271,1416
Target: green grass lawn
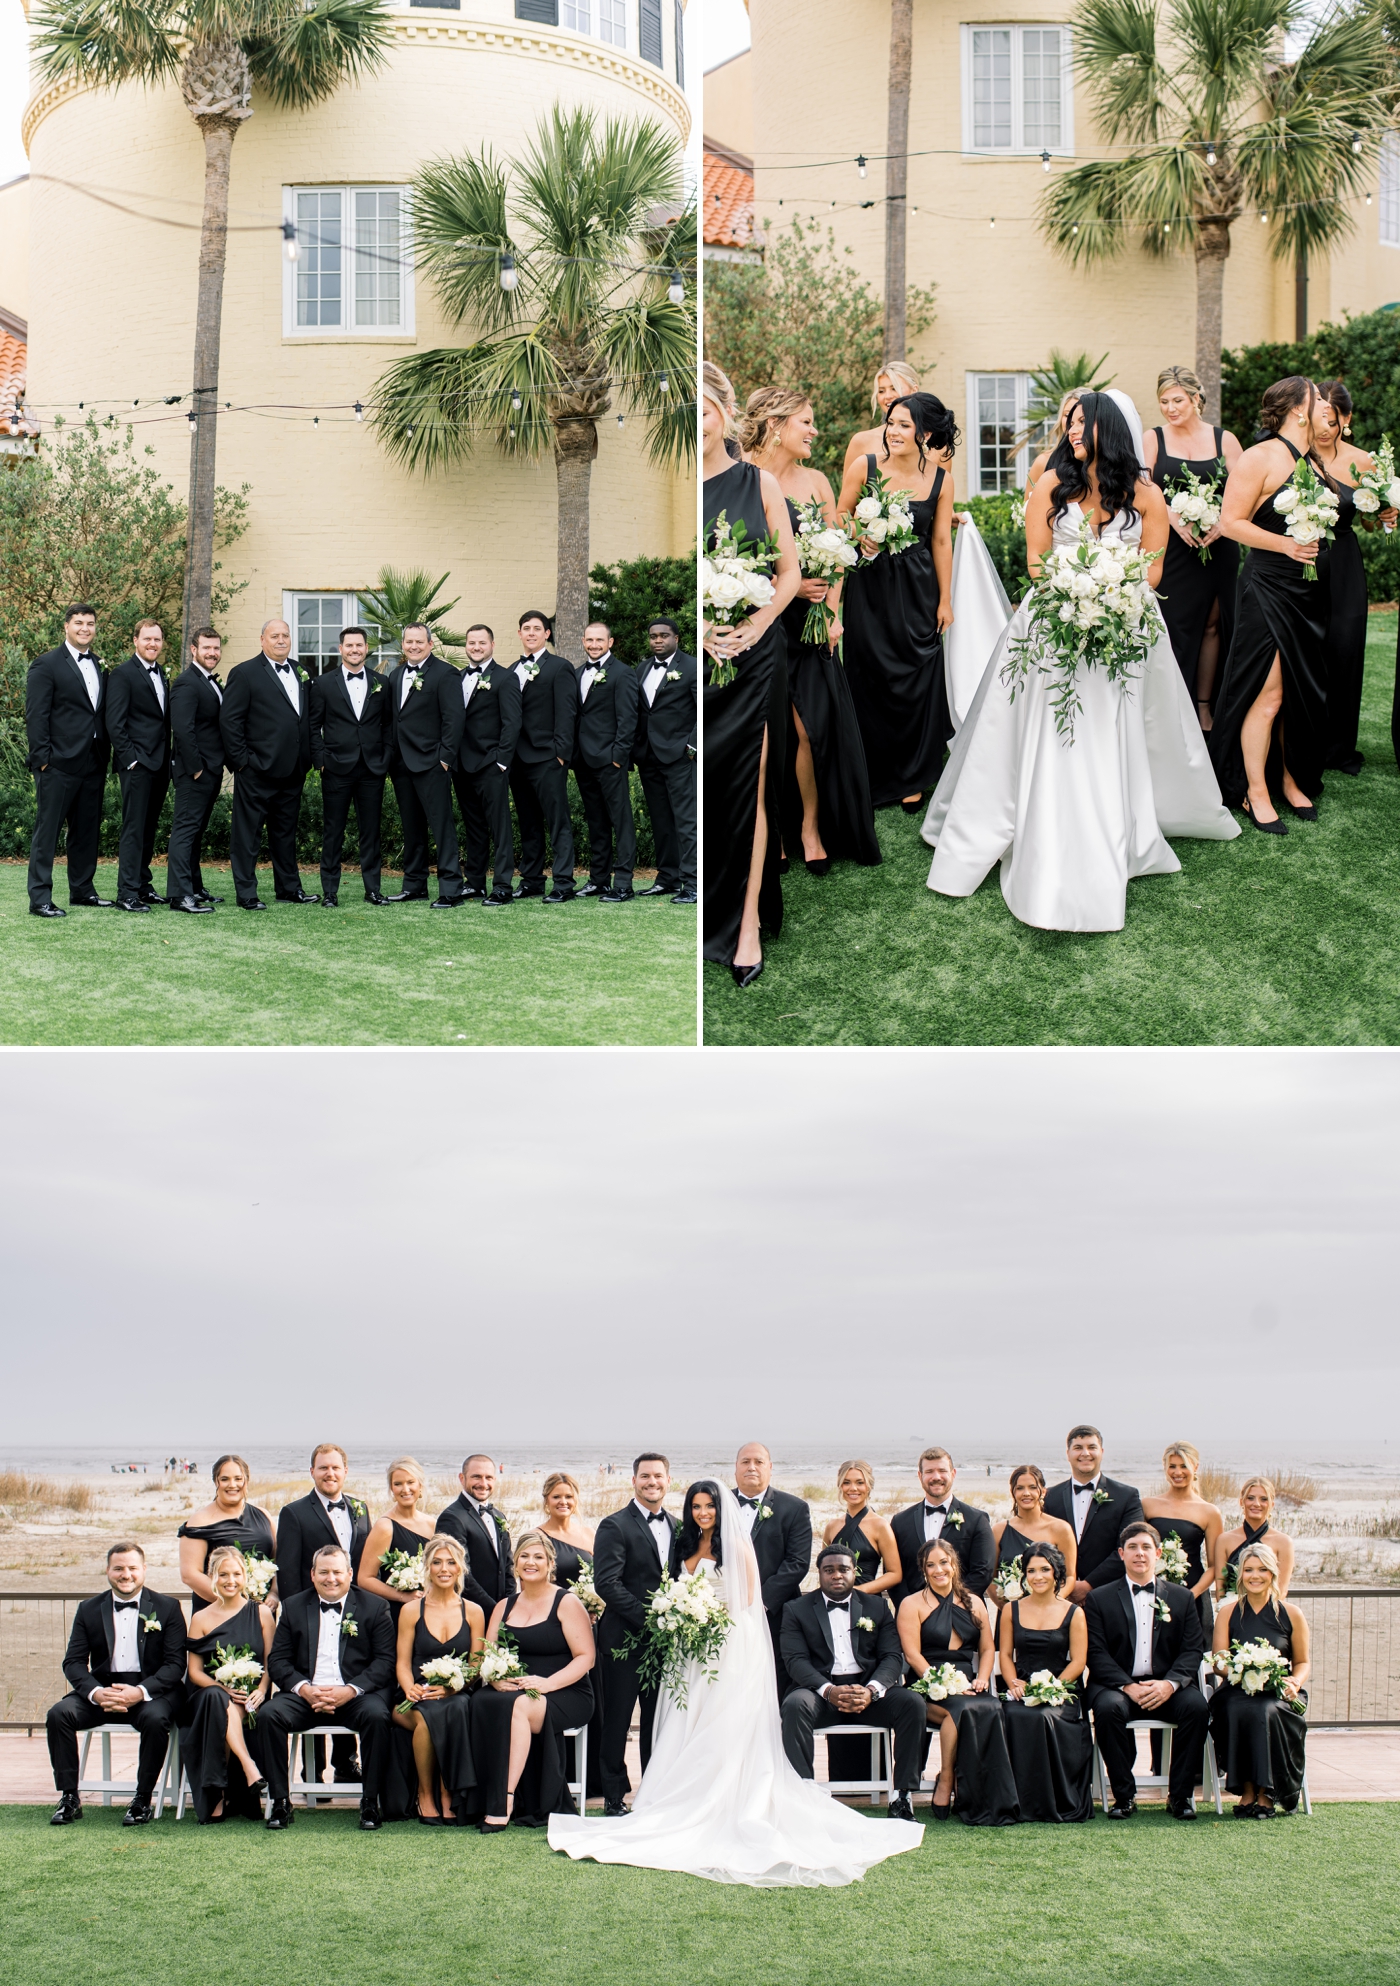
1259,940
581,974
1147,1903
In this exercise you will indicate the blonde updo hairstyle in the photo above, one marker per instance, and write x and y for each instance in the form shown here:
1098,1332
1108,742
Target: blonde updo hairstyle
767,411
861,1468
715,386
546,1544
1268,1558
406,1465
899,374
1182,376
1189,1455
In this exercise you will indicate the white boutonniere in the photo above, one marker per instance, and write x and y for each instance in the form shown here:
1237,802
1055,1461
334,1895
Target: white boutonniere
672,676
150,1623
764,1511
375,687
955,1517
600,676
357,1509
351,1627
1162,1610
866,1622
1101,1496
417,682
532,669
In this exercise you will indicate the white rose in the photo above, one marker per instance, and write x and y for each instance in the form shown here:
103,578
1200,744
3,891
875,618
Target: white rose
1083,586
1366,501
1180,501
758,588
1066,614
877,530
867,508
1392,495
725,590
1286,500
846,553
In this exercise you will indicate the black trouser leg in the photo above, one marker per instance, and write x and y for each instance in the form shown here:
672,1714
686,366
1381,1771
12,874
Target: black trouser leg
551,786
476,835
617,798
655,790
369,813
84,827
620,1693
54,793
530,815
195,800
338,790
434,791
493,792
903,1713
143,796
415,832
251,792
599,819
151,1721
284,807
1185,1708
680,777
288,1714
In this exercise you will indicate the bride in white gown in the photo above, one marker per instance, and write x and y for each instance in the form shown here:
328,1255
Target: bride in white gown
1072,822
719,1798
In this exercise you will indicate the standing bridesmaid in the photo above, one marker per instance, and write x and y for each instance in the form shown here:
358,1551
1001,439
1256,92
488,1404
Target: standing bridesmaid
891,381
1197,595
1342,575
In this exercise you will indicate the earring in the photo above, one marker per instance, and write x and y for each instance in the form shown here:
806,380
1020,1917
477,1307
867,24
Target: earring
1347,428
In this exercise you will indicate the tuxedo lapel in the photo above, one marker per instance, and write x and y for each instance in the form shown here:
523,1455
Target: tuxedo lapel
824,1622
109,1619
1125,1601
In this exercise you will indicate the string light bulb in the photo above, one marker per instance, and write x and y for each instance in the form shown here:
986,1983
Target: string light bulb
994,221
1356,143
290,246
315,420
1045,161
1210,155
675,289
359,411
516,402
860,164
619,420
192,417
664,383
509,274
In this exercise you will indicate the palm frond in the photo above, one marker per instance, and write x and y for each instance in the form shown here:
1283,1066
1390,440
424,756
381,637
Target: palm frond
107,42
645,344
462,230
1225,48
431,407
400,598
1084,211
308,51
1115,52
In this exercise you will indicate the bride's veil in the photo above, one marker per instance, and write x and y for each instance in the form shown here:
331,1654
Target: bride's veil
743,1589
1131,416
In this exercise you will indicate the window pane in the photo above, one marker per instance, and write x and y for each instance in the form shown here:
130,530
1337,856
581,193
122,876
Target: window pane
996,432
1390,190
576,14
378,257
612,22
991,87
318,261
318,628
1041,51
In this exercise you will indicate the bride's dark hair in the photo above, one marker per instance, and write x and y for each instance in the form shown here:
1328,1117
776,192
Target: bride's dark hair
689,1540
1109,450
933,423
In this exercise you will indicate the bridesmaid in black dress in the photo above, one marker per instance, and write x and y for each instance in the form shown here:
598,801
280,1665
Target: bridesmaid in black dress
1257,1499
229,1520
745,719
946,1623
868,1537
1343,577
897,606
1260,1741
215,1721
1182,1511
573,1556
402,1528
1271,714
1051,1751
1028,1525
1197,595
439,1622
519,1739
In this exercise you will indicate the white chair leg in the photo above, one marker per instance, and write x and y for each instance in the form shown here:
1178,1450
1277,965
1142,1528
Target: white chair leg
107,1764
581,1761
1307,1798
1167,1754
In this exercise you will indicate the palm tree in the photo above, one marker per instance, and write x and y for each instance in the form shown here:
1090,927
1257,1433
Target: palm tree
299,52
1221,116
1050,382
398,599
575,267
897,176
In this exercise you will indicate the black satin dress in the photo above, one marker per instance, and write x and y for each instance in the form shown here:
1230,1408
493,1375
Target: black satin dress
1052,1753
869,1562
204,1753
448,1718
1277,611
543,1786
1191,584
252,1533
1259,1740
985,1789
569,1562
403,1540
1249,1538
894,661
1014,1545
1341,579
735,718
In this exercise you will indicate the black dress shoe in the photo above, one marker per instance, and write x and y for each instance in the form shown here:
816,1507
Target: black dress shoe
1185,1812
408,896
373,896
618,896
562,896
685,896
46,910
148,895
470,895
446,902
301,896
330,903
614,1809
69,1809
745,975
138,1814
255,903
655,889
203,896
93,902
279,1815
1122,1810
590,888
497,900
901,1808
133,903
371,1820
1264,827
192,905
531,890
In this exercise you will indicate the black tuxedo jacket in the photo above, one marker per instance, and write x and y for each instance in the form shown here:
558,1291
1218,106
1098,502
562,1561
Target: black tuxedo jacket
261,731
304,1526
366,1655
339,739
197,739
491,721
626,1571
428,730
607,718
492,1573
87,1662
548,710
808,1650
1177,1644
1097,1559
666,728
59,718
137,723
971,1540
782,1545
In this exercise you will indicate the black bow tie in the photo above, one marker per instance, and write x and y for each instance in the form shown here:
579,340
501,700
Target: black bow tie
331,1606
87,656
935,1510
475,668
126,1606
339,1504
1083,1489
284,667
837,1606
355,675
656,1517
751,1501
1142,1589
154,668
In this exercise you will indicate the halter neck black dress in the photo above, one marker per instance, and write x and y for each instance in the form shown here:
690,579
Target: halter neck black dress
403,1540
1052,1753
985,1789
1277,611
1193,1541
735,718
1014,1544
869,1561
1191,585
204,1754
1259,1740
1249,1538
894,660
542,1789
1341,578
251,1532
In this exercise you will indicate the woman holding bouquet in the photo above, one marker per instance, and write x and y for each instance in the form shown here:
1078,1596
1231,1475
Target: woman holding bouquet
1181,1512
1028,1525
869,1538
436,1625
573,1559
1262,1735
1340,573
1200,568
945,1623
219,1718
894,381
1257,1499
229,1520
402,1529
1052,1755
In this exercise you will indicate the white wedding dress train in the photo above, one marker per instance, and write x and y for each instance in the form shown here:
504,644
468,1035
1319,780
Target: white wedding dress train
718,1798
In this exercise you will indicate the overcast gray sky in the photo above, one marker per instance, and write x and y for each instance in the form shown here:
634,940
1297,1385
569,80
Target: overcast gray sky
630,1248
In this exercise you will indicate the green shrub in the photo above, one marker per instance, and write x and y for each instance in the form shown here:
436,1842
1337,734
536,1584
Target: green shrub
634,592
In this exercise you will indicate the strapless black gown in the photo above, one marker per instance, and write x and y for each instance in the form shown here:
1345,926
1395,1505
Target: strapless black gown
1193,1539
543,1786
735,718
985,1794
1341,578
203,1721
1052,1754
252,1533
1192,584
568,1563
1259,1741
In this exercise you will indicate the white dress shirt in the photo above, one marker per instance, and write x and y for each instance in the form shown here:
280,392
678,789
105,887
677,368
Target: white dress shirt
157,680
1144,1606
748,1515
287,677
651,682
470,679
935,1516
522,668
89,671
126,1639
326,1674
411,675
590,673
488,1523
340,1521
660,1534
1082,1501
357,686
844,1663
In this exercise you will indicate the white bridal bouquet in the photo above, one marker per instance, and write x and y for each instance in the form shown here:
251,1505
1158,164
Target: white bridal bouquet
237,1670
261,1573
1309,506
1009,1583
1258,1669
734,582
941,1680
1174,1560
498,1662
1378,488
824,551
446,1672
883,515
583,1589
686,1622
1045,1687
1197,505
403,1571
1091,607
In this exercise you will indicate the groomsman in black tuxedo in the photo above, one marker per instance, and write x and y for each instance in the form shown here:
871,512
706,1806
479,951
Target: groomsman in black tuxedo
631,1551
475,1522
665,751
352,743
125,1664
539,777
940,1514
607,723
426,701
1145,1648
326,1517
780,1527
481,778
1098,1509
333,1663
842,1653
138,724
65,719
197,756
266,724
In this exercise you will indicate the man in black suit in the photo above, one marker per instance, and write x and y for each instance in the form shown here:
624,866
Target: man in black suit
65,718
333,1663
780,1529
631,1551
539,777
197,757
607,723
940,1514
426,704
138,724
666,759
1095,1507
842,1654
1145,1648
266,725
481,778
475,1522
328,1516
352,743
125,1664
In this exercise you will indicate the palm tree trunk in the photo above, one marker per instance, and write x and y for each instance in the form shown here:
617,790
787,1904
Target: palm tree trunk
1300,296
1212,247
218,133
575,451
897,175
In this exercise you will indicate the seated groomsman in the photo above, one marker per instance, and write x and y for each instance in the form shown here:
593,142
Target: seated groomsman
607,722
326,1517
842,1654
333,1663
426,704
1097,1507
197,750
481,778
940,1514
474,1521
352,742
65,718
138,724
665,753
1145,1648
125,1664
539,777
631,1551
266,724
780,1527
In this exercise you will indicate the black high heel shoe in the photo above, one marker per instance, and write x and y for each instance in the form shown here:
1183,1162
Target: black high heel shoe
820,866
941,1813
745,975
913,806
1308,813
1264,827
258,1789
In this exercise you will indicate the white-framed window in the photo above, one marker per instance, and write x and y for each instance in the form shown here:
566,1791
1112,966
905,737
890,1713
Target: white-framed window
612,22
996,419
316,619
1017,94
1390,191
353,274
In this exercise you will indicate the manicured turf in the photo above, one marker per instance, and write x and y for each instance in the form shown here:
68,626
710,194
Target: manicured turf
1259,940
1145,1903
580,974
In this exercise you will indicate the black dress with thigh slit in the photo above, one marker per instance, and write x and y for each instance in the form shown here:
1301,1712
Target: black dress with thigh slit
448,1718
985,1789
204,1753
1192,584
542,1790
1342,577
1052,1754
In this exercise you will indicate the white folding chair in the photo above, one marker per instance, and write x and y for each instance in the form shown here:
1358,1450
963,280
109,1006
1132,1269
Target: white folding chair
107,1786
881,1781
1209,1770
186,1797
578,1785
304,1784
